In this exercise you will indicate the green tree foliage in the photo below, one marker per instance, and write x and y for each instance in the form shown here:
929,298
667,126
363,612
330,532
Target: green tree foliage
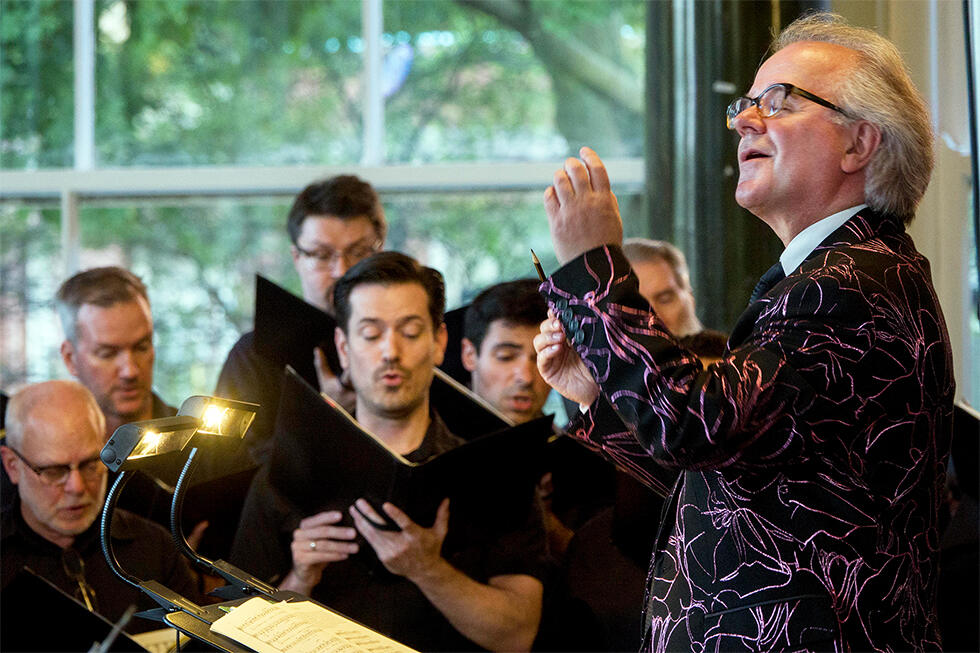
200,275
252,83
29,262
36,84
273,82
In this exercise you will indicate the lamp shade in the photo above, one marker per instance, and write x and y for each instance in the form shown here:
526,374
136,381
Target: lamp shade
218,416
134,443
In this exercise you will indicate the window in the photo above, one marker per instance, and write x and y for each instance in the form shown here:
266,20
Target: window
29,253
209,115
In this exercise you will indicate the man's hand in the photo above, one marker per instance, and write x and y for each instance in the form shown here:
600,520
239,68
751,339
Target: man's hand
413,551
560,365
197,534
500,615
582,211
332,385
317,542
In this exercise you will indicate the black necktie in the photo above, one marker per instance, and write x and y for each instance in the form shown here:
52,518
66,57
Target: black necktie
772,276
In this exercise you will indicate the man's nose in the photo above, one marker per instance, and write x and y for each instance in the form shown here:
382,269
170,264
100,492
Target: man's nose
128,368
75,483
390,346
338,266
524,371
750,120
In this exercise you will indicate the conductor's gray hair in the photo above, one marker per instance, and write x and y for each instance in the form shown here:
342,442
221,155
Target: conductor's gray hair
880,91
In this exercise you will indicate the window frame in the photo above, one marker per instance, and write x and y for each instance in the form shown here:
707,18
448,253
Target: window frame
86,181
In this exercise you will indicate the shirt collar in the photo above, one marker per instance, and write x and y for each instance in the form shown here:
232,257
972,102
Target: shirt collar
807,240
438,439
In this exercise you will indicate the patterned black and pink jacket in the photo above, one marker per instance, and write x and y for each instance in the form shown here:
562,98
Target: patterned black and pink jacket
811,457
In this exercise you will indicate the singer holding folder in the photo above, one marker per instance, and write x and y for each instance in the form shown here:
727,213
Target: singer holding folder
390,337
333,223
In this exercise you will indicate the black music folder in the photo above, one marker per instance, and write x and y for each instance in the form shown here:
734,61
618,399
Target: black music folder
452,362
38,616
287,329
323,459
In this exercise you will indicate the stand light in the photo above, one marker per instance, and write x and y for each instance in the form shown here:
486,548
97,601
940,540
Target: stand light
219,418
134,446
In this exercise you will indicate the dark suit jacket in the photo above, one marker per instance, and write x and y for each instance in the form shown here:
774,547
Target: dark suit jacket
813,453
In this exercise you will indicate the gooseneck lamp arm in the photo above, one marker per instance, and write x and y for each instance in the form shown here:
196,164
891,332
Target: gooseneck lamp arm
244,584
166,598
106,524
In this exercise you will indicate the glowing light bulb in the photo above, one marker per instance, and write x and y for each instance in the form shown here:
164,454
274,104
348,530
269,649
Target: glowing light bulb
214,418
147,444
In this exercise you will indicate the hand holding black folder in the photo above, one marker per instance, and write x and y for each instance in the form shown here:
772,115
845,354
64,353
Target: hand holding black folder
324,460
288,329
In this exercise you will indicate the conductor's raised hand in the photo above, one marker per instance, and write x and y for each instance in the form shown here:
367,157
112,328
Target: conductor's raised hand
582,211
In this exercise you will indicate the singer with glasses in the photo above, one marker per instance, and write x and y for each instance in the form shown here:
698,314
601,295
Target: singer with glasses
51,454
333,224
90,469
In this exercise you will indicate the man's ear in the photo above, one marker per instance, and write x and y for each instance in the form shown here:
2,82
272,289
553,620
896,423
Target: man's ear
340,340
13,470
865,139
294,253
442,339
68,356
469,354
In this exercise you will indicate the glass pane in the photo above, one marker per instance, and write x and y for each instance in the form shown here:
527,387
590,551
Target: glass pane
475,239
463,83
30,268
36,84
228,82
198,261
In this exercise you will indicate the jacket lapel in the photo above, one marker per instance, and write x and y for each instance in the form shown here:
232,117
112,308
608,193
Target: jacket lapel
864,225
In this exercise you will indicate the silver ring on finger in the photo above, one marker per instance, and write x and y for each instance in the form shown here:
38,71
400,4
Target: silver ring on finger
312,545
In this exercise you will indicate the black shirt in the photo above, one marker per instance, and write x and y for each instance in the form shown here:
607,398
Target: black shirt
142,548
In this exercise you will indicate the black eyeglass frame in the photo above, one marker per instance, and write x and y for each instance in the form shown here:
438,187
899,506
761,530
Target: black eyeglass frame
41,469
319,257
791,89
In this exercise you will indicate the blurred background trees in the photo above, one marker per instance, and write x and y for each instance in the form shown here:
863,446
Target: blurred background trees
272,83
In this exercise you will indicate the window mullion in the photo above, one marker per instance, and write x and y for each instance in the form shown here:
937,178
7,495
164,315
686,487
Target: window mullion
84,61
372,16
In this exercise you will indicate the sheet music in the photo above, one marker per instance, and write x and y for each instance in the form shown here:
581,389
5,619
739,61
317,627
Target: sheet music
162,640
301,627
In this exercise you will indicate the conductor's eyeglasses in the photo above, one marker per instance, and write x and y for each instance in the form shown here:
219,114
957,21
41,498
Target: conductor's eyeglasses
771,101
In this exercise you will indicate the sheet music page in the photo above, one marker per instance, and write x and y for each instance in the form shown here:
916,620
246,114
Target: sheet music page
301,627
162,640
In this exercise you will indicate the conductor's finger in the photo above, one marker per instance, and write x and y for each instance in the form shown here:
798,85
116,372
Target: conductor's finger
551,204
564,191
597,170
578,174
